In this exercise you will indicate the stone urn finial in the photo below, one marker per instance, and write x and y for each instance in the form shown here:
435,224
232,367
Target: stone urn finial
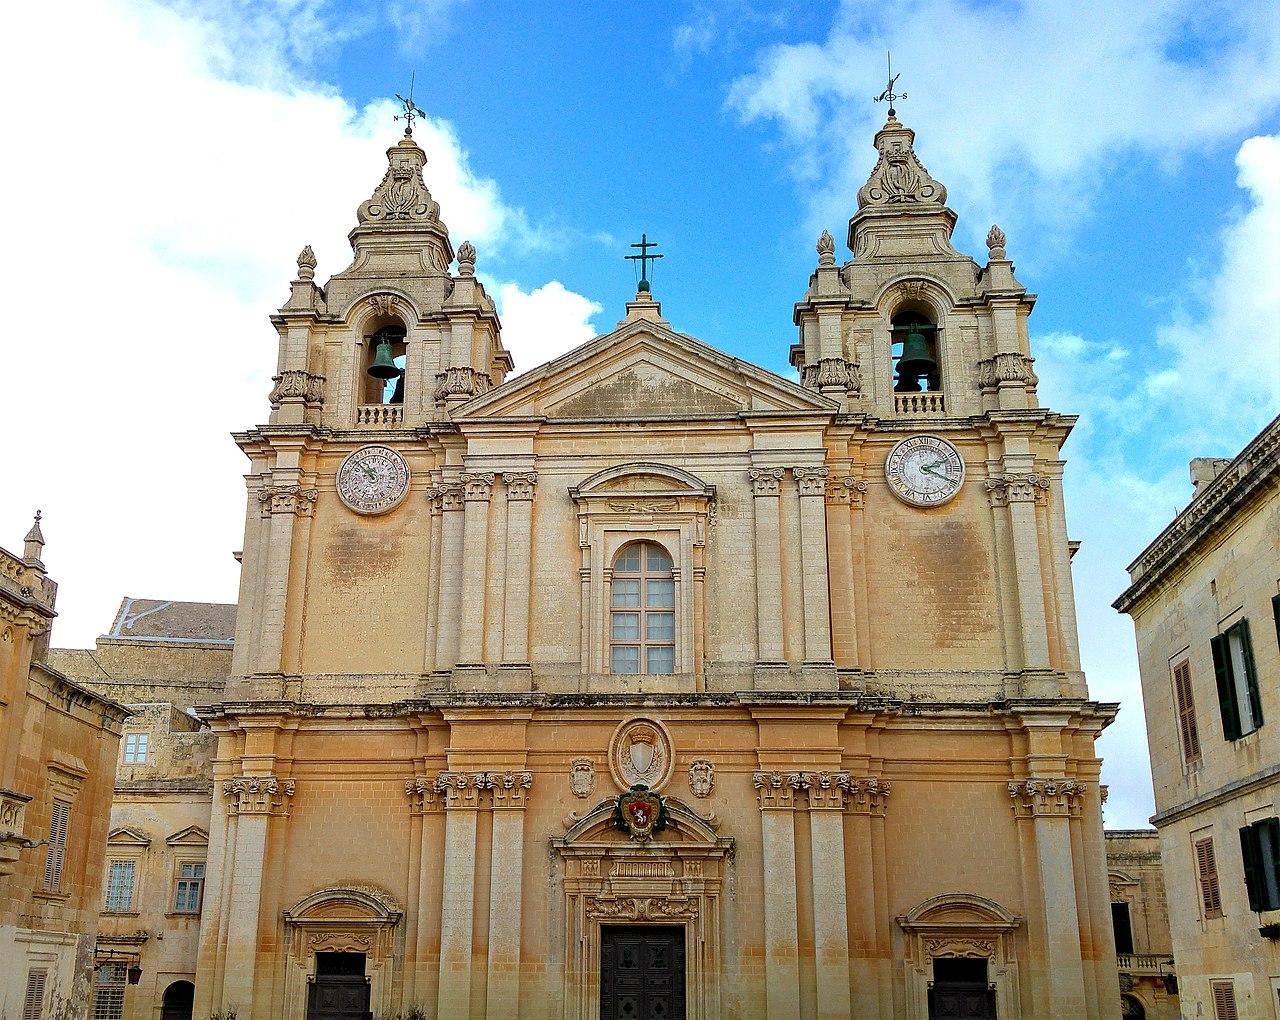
826,249
995,242
467,258
307,264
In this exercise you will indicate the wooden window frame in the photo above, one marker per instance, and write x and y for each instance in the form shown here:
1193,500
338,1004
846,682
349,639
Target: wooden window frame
642,610
178,881
59,836
129,907
1224,1000
1234,689
1185,709
137,754
33,999
1207,877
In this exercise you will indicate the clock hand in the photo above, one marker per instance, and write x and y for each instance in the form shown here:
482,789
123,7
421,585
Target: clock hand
928,469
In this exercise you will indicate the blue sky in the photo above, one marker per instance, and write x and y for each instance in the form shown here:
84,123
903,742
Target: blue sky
180,153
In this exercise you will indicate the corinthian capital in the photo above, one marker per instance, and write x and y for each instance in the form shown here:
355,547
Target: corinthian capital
520,484
287,499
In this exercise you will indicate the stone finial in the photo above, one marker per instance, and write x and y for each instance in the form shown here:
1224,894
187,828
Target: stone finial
995,242
899,178
34,542
307,264
826,249
402,197
467,258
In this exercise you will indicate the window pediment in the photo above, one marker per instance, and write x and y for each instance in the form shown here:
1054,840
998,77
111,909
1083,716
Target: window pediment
127,837
192,835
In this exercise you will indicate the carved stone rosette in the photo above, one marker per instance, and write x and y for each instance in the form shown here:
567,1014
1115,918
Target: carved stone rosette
1018,487
287,499
1054,797
1006,366
295,384
811,481
259,795
765,481
520,484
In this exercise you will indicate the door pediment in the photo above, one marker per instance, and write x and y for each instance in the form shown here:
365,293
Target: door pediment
644,370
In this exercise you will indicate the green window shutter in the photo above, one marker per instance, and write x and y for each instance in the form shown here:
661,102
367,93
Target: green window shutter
1249,857
1226,689
1271,883
1275,615
1250,673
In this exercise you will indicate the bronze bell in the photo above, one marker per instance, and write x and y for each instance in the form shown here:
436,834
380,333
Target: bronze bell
916,359
384,362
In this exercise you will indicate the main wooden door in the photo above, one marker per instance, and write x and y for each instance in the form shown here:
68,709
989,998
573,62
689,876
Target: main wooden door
642,972
960,991
340,990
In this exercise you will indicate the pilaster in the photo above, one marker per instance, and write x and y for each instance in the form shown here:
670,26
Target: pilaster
477,490
451,566
812,484
777,792
520,486
509,796
457,908
282,506
766,489
1013,496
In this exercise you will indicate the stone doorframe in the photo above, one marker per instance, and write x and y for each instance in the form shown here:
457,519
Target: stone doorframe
678,877
957,925
341,920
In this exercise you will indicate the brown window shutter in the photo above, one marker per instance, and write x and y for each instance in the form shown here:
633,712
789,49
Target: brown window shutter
33,1002
57,852
1224,1001
1186,713
1207,869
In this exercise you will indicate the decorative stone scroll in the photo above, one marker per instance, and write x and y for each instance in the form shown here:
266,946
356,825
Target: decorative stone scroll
296,384
1018,487
258,795
641,908
811,481
1053,797
287,499
899,178
520,484
1006,366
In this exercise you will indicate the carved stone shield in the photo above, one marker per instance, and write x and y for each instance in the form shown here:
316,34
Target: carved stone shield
640,813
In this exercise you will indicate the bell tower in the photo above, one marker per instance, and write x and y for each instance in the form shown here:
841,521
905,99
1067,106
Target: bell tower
911,328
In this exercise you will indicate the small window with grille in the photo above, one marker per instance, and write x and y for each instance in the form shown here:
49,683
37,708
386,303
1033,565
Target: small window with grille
642,636
108,992
120,876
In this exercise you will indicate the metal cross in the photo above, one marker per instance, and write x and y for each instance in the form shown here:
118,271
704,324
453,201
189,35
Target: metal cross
888,93
411,112
644,258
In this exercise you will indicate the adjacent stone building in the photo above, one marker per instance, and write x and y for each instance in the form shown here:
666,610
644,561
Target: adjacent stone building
1205,602
651,683
161,658
1140,920
57,758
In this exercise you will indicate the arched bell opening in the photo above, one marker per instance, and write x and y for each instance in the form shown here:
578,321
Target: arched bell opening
914,337
385,354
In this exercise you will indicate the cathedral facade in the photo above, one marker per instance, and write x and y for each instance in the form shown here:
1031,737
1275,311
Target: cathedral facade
649,683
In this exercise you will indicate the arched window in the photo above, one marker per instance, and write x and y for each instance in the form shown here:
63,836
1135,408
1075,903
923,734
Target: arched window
179,999
384,360
642,630
915,353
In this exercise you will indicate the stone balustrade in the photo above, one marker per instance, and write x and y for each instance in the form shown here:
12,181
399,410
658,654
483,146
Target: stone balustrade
379,415
918,404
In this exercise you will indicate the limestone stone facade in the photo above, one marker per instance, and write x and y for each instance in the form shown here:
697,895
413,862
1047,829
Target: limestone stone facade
651,564
1205,602
1140,915
57,758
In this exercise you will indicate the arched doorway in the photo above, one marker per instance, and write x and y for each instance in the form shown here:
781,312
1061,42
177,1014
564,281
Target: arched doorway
1131,1008
179,998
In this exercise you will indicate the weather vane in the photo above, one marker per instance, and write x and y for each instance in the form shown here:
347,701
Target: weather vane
888,94
644,258
411,112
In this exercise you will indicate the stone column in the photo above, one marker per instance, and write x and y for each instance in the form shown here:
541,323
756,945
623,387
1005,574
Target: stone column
254,800
766,487
1016,494
477,489
865,801
421,970
457,914
281,505
812,483
830,897
506,870
778,847
451,560
515,626
1044,808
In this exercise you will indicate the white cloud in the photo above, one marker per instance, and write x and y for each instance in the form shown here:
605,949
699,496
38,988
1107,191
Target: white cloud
1018,105
167,174
544,323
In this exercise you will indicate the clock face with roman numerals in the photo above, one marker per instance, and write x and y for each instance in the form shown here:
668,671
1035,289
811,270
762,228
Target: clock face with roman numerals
924,471
373,480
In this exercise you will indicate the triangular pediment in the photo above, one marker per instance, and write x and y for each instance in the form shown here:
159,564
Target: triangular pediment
644,370
192,835
127,836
